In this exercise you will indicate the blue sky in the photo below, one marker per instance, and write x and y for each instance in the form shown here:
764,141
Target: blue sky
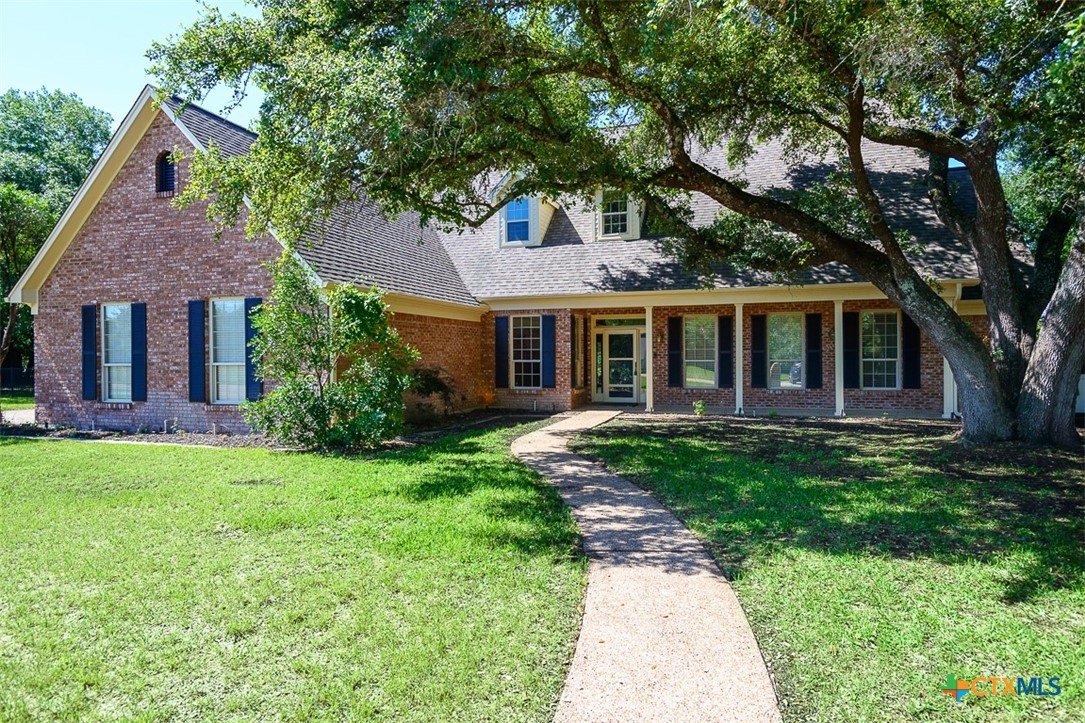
95,48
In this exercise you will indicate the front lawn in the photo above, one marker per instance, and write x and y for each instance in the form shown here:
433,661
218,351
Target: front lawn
10,401
876,558
145,582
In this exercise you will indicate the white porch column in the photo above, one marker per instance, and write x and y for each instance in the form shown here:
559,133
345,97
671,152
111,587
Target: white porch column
838,356
649,402
949,384
740,359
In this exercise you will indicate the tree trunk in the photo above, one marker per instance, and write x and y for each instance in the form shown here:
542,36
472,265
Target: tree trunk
1045,411
986,413
9,332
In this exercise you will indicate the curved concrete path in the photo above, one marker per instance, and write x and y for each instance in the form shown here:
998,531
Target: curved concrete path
663,637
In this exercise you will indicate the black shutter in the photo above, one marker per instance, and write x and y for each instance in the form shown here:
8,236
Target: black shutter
253,387
759,351
197,352
90,355
139,352
674,351
726,345
909,346
549,350
501,352
813,351
851,349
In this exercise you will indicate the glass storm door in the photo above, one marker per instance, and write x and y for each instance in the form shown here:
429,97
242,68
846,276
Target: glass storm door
621,366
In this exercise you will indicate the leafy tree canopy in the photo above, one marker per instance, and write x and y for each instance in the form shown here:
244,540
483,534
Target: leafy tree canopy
423,103
48,142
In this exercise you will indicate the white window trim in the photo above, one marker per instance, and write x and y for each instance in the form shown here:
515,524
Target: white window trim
802,351
899,359
512,351
101,339
633,211
715,352
211,351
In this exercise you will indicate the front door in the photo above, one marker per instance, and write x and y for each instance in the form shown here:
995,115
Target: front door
620,365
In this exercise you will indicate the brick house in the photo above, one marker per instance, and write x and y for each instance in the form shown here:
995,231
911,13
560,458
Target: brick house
142,317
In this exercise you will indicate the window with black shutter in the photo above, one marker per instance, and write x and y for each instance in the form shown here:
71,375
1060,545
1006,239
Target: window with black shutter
165,174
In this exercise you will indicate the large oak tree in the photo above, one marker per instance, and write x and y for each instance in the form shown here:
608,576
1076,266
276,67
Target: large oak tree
414,102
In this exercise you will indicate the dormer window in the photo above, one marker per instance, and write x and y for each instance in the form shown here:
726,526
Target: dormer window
524,220
615,210
165,175
518,220
617,216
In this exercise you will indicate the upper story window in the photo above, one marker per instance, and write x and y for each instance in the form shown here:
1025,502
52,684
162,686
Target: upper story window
880,349
785,342
617,215
165,173
116,352
518,220
227,351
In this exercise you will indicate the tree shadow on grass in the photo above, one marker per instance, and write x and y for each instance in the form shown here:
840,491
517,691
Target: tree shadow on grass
898,488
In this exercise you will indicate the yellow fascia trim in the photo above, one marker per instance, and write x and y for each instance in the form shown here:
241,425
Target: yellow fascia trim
858,291
405,304
101,176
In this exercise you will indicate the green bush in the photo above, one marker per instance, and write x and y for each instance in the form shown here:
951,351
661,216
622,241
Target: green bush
700,407
304,332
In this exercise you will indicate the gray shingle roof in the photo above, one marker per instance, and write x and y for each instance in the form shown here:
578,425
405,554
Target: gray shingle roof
569,262
358,244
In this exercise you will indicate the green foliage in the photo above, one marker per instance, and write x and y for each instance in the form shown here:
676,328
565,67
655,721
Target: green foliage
427,381
304,334
700,408
48,142
415,101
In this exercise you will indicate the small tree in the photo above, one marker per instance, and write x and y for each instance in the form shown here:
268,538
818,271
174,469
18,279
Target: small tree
338,368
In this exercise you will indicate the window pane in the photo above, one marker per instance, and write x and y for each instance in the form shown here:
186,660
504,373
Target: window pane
526,351
230,382
700,351
517,210
615,212
228,330
880,348
785,351
620,346
518,231
118,383
117,334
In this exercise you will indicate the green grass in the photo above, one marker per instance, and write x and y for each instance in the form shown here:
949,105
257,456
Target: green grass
874,559
16,400
157,583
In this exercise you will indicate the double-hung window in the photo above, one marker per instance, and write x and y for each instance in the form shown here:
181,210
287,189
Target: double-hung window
227,351
527,352
699,334
615,212
785,351
517,220
880,349
117,352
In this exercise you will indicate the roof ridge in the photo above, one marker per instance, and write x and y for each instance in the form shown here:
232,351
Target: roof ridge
185,105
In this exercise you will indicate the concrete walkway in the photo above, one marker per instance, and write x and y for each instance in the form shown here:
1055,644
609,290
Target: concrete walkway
663,637
18,416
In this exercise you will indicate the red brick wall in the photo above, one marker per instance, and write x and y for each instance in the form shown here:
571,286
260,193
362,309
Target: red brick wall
664,395
454,347
135,248
557,398
929,395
